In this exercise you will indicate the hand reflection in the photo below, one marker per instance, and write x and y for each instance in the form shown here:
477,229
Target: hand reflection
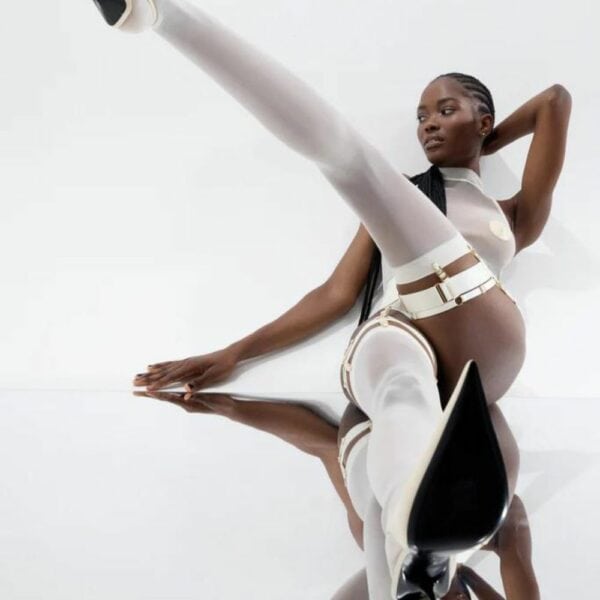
294,423
218,404
300,426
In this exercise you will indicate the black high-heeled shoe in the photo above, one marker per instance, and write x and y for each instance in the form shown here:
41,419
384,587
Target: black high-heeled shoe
462,496
116,12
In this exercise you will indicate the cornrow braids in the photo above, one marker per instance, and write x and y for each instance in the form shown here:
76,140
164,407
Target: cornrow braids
476,89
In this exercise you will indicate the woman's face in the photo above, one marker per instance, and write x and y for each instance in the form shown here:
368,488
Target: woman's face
446,111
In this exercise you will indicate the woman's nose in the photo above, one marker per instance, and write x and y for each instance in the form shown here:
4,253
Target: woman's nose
430,125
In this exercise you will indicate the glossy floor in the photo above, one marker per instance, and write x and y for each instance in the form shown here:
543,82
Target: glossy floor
108,495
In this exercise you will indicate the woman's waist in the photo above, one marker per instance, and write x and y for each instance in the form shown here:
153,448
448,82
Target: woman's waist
443,295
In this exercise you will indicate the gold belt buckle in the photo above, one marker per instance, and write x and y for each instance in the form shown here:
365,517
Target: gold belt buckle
442,293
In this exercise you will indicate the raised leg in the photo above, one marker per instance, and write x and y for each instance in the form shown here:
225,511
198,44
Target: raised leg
400,218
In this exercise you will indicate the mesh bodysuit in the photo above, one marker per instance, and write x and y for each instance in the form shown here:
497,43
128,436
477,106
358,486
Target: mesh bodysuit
479,219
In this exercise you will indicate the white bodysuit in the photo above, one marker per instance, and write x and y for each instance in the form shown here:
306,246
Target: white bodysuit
479,219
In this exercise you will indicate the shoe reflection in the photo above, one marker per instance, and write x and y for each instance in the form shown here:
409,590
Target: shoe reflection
299,425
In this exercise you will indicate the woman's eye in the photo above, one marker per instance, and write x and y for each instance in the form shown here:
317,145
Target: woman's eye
419,117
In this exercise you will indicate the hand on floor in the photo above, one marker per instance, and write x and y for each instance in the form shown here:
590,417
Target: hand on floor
194,372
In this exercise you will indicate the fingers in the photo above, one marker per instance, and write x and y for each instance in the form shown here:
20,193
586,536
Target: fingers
144,378
193,406
159,365
161,376
196,383
155,368
167,396
168,376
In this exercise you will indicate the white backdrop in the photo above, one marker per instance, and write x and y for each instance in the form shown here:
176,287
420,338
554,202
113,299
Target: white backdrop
145,216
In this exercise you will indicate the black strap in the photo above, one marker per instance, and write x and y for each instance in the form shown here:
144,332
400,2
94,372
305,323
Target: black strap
372,279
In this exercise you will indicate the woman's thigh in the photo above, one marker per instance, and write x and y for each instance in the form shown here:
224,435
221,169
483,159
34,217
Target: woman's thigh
489,329
401,219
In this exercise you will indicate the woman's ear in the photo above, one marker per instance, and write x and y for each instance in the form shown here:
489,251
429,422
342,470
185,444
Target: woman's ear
486,125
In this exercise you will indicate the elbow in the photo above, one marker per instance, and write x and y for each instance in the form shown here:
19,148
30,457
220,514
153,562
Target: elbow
559,93
338,298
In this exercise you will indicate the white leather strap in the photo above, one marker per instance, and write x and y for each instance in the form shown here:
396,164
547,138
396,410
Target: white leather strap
443,254
351,443
447,294
384,319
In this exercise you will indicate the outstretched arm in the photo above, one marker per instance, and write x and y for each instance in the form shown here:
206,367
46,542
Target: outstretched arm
317,310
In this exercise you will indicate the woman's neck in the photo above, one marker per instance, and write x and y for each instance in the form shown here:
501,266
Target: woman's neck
462,174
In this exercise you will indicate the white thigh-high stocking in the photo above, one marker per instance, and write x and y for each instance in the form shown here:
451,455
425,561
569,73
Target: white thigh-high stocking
380,550
378,573
401,219
394,382
369,510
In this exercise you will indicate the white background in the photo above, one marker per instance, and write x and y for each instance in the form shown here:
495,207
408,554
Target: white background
146,217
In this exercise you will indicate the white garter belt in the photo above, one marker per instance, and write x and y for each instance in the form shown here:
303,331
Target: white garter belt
351,443
451,291
382,320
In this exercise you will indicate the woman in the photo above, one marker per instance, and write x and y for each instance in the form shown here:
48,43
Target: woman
303,428
452,299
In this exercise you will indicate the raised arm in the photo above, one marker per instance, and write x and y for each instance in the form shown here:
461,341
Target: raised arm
546,115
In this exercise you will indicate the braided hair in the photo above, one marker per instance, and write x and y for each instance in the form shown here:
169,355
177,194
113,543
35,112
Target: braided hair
476,90
430,182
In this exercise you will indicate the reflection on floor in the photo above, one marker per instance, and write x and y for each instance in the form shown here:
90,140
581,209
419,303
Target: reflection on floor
110,495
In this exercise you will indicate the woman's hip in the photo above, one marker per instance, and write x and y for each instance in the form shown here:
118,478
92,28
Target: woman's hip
489,329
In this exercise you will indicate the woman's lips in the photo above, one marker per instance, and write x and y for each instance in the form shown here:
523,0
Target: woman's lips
433,144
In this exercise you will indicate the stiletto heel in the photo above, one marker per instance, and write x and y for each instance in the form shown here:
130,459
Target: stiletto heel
461,497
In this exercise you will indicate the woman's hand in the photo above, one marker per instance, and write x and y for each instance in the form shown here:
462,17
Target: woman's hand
194,372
